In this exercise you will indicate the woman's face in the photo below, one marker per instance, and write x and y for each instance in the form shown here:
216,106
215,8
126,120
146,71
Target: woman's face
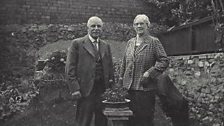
140,26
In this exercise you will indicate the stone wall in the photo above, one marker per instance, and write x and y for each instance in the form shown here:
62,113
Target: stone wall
199,78
70,11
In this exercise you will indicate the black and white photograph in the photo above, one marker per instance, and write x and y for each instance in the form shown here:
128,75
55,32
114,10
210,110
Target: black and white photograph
111,63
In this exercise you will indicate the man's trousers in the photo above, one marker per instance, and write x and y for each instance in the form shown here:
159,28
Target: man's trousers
90,105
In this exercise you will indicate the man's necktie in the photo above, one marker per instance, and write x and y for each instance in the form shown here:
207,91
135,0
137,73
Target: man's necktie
95,45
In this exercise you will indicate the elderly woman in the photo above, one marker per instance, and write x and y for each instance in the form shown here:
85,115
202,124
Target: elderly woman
144,60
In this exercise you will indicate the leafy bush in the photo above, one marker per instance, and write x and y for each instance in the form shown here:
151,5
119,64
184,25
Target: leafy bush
55,63
177,12
52,68
15,99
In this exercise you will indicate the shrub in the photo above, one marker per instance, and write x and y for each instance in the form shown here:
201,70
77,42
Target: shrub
55,63
14,99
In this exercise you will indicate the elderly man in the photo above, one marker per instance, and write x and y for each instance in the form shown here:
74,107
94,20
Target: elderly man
144,60
89,71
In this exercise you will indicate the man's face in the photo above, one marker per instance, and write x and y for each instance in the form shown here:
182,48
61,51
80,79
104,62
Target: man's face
95,27
140,26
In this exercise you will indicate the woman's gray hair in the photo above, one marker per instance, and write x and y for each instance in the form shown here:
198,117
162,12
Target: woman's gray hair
144,18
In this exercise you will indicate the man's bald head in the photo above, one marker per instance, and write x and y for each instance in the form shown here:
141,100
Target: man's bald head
95,25
94,20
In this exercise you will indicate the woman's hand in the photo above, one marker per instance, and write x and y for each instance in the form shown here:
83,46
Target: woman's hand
146,74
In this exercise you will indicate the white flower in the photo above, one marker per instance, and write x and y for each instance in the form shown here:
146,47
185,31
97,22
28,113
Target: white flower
18,98
190,61
11,100
197,74
46,60
171,70
52,58
217,55
207,63
62,59
200,64
184,82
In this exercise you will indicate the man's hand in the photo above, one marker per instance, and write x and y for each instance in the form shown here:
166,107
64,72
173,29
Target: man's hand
76,95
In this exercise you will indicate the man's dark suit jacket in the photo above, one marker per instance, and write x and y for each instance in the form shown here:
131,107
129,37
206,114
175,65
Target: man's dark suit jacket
81,65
